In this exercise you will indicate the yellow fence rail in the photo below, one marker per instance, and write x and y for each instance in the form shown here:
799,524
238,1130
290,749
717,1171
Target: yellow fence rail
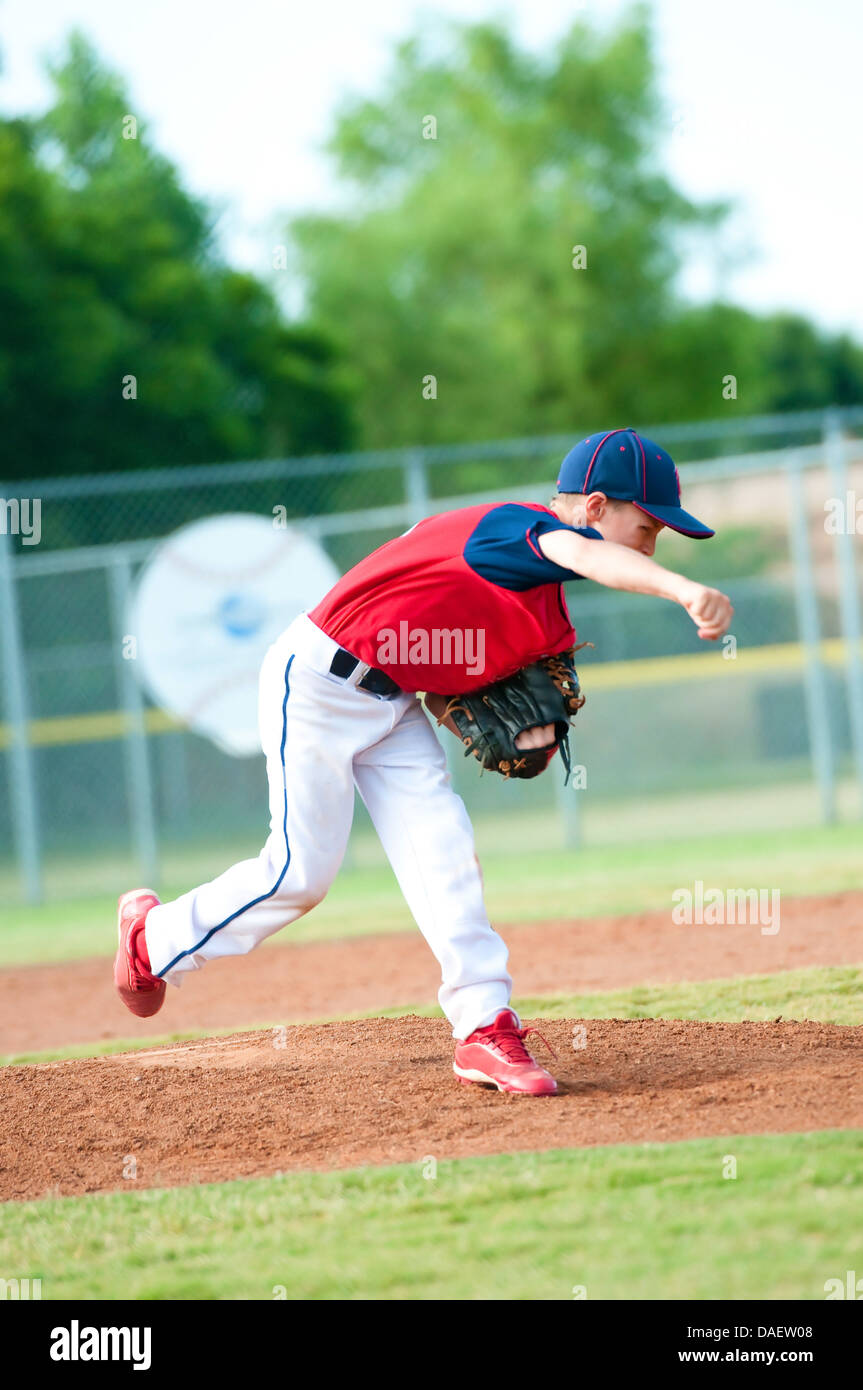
105,725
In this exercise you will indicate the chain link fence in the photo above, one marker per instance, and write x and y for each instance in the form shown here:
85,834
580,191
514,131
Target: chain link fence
98,791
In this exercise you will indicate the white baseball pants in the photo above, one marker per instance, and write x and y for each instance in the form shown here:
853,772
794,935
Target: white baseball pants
321,736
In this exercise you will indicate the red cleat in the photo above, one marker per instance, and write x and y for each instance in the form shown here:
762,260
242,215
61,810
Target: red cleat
497,1056
142,992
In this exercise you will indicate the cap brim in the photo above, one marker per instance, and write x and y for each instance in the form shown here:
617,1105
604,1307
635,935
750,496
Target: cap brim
678,520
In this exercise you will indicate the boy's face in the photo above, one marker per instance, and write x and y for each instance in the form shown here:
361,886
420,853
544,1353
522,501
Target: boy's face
623,522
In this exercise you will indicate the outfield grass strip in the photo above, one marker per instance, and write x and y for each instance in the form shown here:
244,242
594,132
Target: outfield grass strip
742,1217
822,994
546,883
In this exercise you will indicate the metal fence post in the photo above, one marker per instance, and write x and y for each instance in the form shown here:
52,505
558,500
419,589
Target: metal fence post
138,779
849,594
567,801
814,678
22,780
416,485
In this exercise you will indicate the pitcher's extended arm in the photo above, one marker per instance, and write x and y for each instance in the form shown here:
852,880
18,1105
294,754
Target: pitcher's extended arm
619,567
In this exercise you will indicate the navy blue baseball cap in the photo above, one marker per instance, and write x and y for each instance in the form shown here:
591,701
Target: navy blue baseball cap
626,466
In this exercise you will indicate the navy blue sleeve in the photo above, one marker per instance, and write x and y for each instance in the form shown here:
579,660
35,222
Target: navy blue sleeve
504,547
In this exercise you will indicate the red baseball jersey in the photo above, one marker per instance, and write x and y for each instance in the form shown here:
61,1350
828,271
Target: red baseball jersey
460,600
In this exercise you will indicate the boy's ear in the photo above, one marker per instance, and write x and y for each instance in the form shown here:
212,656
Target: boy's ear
595,506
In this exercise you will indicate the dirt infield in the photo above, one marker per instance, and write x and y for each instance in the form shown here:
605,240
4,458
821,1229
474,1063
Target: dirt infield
49,1006
382,1091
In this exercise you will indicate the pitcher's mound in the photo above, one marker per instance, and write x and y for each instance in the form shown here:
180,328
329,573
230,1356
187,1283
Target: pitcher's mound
382,1091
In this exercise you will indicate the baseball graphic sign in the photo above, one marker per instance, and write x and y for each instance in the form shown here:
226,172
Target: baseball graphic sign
208,604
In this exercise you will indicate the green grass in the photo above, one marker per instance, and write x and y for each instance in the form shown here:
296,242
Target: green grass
521,885
828,994
630,1222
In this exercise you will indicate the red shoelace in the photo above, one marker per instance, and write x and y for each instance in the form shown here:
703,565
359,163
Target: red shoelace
511,1043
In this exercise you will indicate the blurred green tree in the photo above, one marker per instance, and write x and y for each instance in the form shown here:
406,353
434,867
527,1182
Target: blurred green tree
109,269
456,257
805,368
470,181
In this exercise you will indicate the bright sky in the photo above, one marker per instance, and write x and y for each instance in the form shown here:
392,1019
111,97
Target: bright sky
763,98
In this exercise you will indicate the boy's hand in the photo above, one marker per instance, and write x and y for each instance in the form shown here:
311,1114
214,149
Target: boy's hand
540,736
709,609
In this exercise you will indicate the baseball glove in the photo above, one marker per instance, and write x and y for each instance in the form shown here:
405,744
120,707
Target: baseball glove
490,720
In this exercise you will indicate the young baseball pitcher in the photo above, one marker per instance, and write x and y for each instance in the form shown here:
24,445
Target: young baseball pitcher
459,602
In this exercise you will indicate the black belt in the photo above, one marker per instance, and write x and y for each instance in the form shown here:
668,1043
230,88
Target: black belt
377,682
